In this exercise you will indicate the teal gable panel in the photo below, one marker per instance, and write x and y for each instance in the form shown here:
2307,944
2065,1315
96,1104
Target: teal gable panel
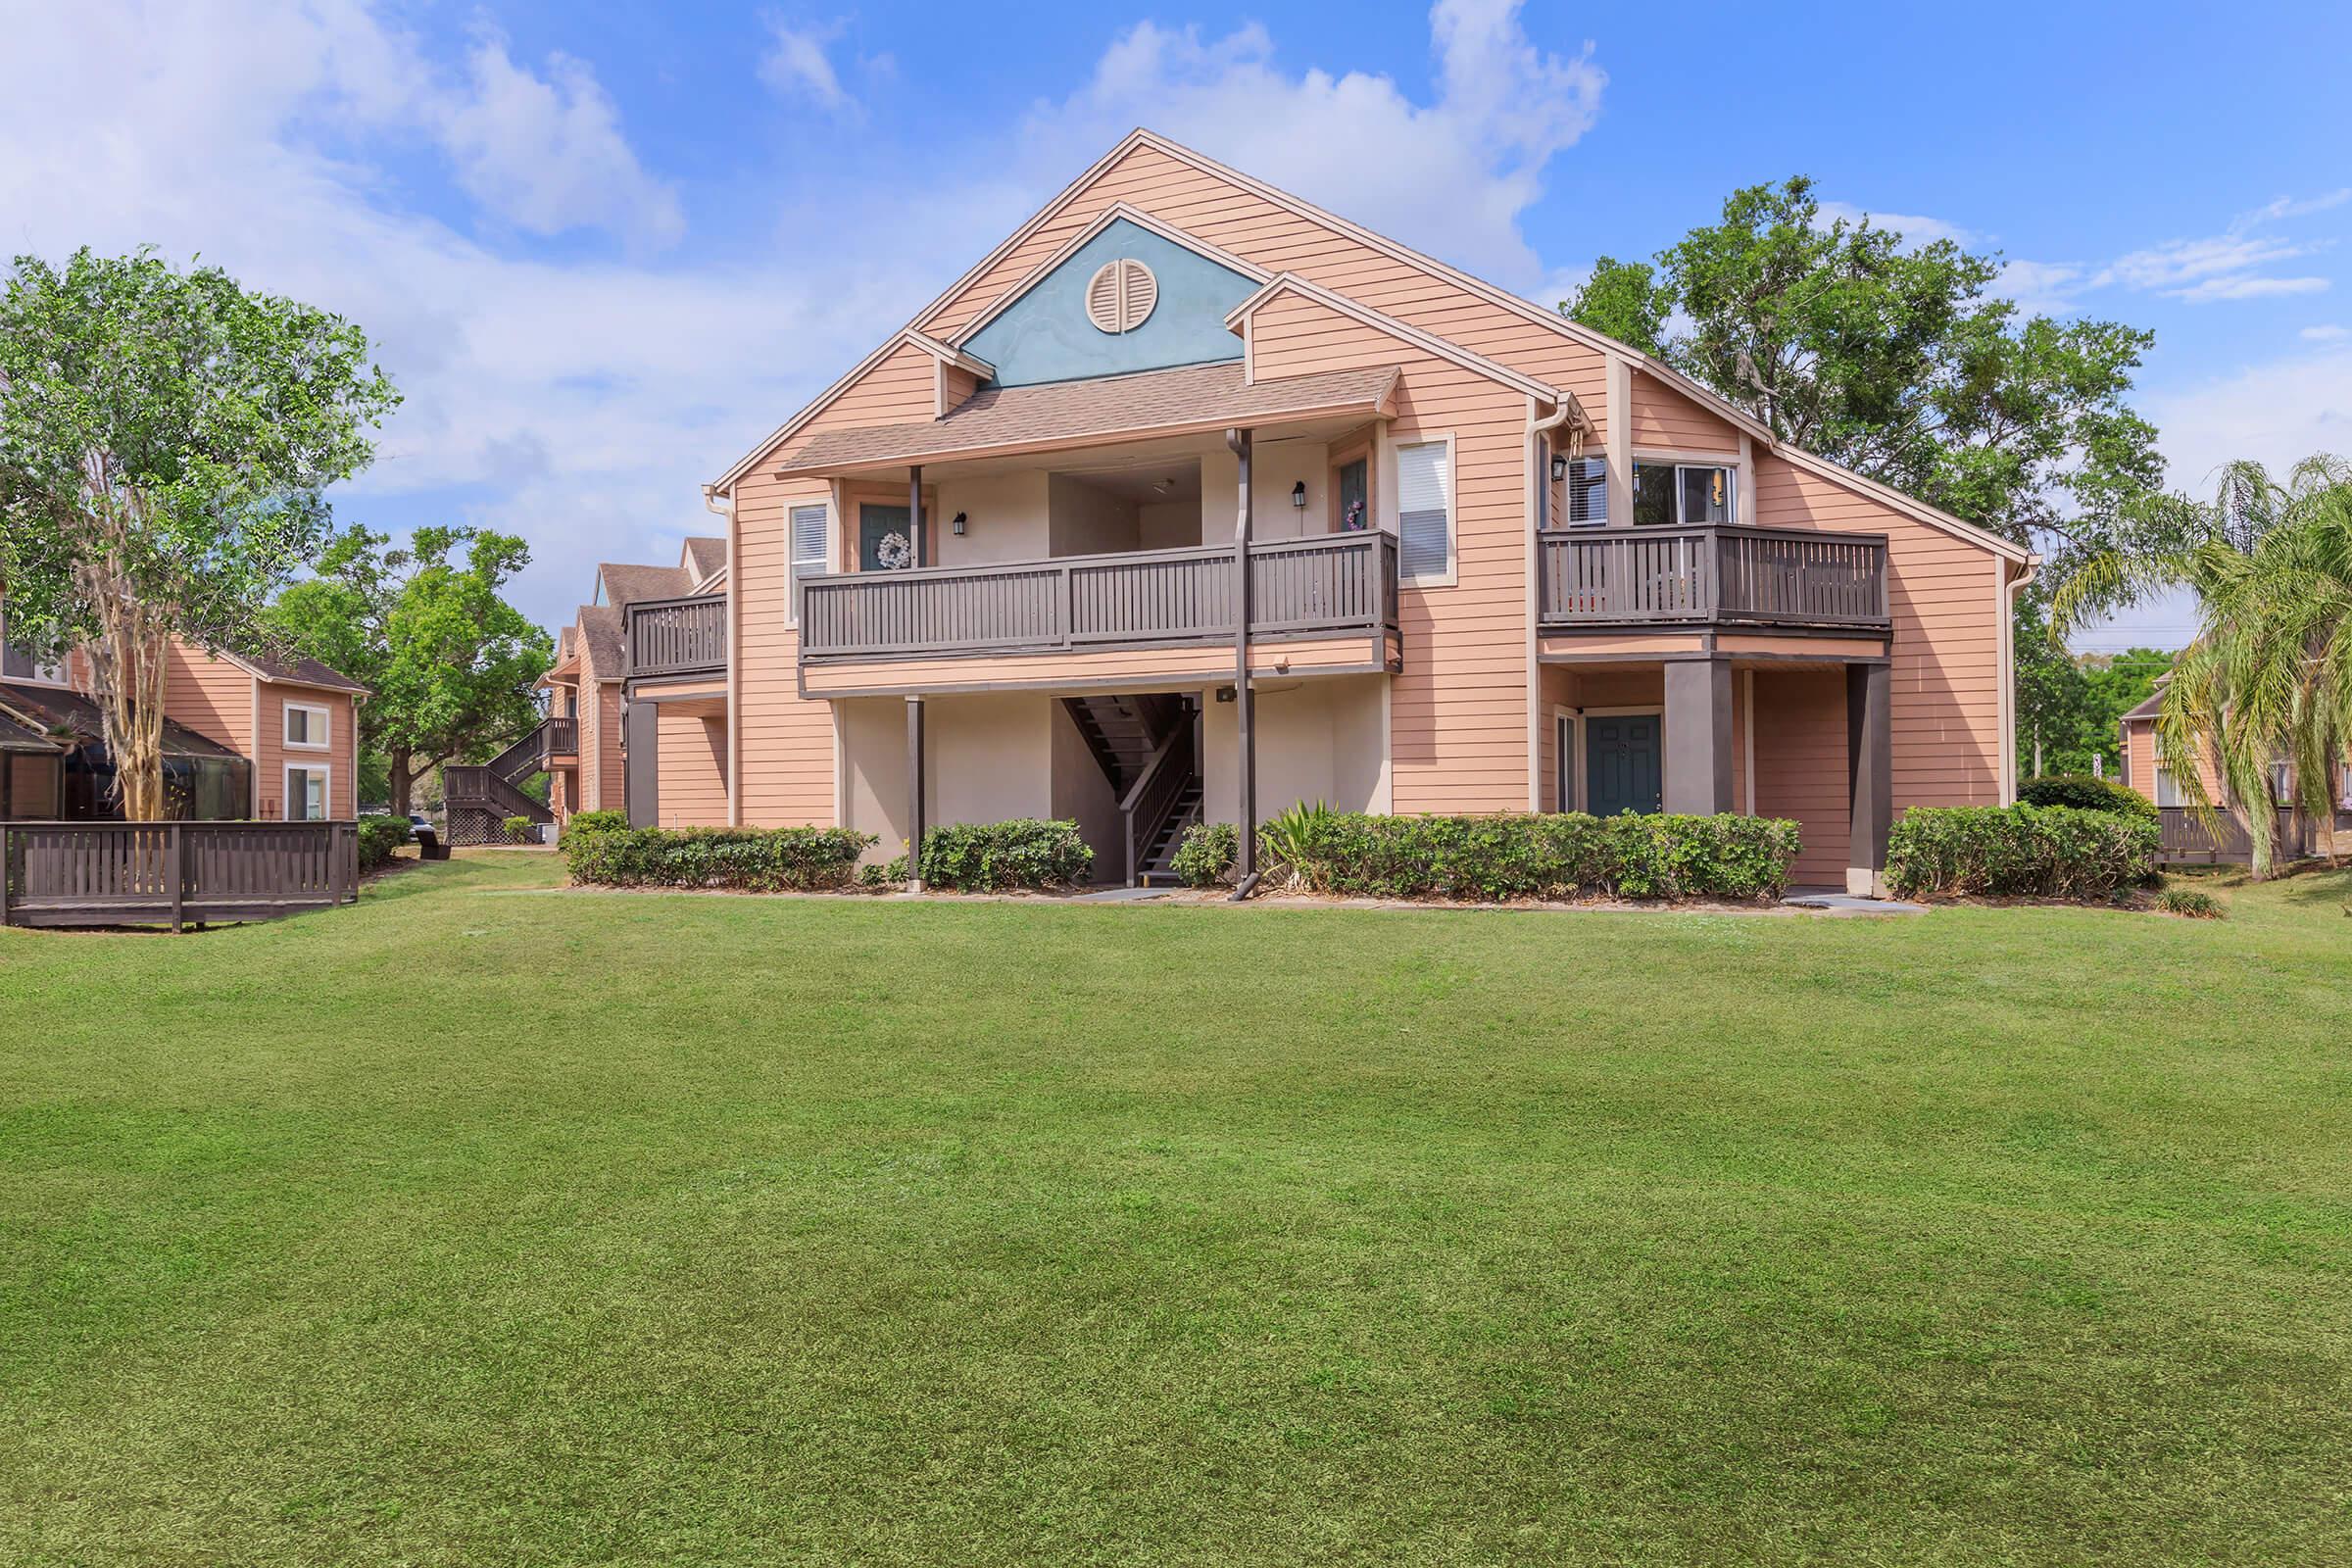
1045,334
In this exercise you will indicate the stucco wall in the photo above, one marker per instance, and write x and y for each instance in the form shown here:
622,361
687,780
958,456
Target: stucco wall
1318,740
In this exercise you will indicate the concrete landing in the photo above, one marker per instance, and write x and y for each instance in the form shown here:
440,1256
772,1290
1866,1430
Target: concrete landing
1847,903
1122,895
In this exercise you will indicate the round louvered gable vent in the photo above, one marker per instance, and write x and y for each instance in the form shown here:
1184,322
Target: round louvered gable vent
1122,295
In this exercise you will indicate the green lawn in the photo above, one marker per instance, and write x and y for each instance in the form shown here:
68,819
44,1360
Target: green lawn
490,1224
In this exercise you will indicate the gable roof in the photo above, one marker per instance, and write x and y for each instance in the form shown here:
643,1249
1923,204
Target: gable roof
600,641
704,557
1189,398
624,584
295,671
53,707
1292,283
1550,321
1077,242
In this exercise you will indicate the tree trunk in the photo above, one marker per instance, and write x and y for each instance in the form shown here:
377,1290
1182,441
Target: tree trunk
399,777
128,662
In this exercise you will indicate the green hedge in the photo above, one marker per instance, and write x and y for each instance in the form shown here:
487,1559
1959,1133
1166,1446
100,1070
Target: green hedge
2086,794
2027,850
596,823
1000,857
744,860
379,836
518,829
1568,855
1206,855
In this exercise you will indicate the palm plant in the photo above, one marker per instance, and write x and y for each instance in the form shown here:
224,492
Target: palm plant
2269,675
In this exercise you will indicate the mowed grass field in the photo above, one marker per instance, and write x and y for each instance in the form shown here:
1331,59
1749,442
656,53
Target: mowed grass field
490,1223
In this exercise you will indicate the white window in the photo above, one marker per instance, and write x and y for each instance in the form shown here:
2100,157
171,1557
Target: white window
307,727
1668,495
2168,793
1587,505
807,547
16,663
306,792
1424,511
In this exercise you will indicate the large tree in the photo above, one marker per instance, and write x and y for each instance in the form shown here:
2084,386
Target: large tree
452,663
167,439
1896,360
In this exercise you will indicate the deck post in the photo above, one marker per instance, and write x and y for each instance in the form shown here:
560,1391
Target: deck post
7,850
1244,704
641,763
1869,775
914,795
1699,736
179,875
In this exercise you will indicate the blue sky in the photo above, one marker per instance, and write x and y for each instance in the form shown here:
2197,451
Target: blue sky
604,251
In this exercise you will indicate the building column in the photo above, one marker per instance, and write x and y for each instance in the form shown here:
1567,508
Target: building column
914,515
1869,775
641,763
915,794
1699,736
1244,700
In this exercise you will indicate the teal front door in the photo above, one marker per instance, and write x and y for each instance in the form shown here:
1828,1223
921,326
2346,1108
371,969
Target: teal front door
874,525
1621,763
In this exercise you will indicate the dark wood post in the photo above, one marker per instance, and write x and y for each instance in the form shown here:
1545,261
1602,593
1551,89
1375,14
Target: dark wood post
914,795
641,762
1870,775
1699,736
179,874
1245,705
914,515
8,850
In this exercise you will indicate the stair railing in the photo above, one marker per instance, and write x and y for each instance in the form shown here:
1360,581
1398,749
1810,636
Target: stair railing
1146,807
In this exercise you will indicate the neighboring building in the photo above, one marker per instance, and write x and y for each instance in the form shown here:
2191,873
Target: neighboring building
243,738
578,745
2184,836
1496,562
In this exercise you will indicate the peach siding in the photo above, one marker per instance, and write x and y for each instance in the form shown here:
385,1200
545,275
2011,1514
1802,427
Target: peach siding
1239,221
1459,711
1665,418
1947,627
1134,668
955,387
272,757
210,696
1800,766
784,742
692,788
602,780
2139,763
903,389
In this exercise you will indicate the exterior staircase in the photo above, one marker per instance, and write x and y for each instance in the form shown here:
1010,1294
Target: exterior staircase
1149,749
479,797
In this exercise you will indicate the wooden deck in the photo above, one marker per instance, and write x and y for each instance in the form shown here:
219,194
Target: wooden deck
173,873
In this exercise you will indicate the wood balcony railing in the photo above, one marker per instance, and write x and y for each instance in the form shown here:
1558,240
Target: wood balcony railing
1338,582
1717,573
677,636
146,873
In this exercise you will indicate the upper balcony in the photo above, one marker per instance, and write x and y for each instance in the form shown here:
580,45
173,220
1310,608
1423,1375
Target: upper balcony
1309,587
1713,576
675,639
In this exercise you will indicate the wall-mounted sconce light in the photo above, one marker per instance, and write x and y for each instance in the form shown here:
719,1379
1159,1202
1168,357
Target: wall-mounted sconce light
1559,469
1298,495
1226,694
957,524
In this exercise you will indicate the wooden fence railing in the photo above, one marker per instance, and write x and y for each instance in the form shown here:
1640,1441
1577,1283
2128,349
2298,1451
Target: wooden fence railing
1329,583
2184,838
677,636
148,873
1764,576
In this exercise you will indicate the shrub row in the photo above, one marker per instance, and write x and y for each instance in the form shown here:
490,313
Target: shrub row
1489,858
517,829
2085,794
744,860
2029,851
1000,857
379,836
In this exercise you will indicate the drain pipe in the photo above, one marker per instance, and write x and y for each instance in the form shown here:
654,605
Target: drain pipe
1244,858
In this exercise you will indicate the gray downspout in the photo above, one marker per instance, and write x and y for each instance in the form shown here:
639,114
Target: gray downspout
1244,862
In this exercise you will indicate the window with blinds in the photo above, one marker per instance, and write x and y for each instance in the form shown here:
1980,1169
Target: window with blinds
1587,505
1424,512
807,529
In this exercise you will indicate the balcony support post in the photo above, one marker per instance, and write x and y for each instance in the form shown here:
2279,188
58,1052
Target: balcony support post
641,762
1869,775
1244,704
1699,736
914,795
914,514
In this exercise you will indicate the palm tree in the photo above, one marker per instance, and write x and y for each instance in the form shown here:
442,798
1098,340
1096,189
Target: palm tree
2269,677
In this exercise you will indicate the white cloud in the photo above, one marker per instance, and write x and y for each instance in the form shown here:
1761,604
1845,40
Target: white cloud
2328,333
1916,229
2246,287
2041,288
1451,177
2196,272
797,64
547,154
2278,414
2289,207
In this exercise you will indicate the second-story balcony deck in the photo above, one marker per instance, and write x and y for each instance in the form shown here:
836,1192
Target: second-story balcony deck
1713,576
1323,585
673,639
